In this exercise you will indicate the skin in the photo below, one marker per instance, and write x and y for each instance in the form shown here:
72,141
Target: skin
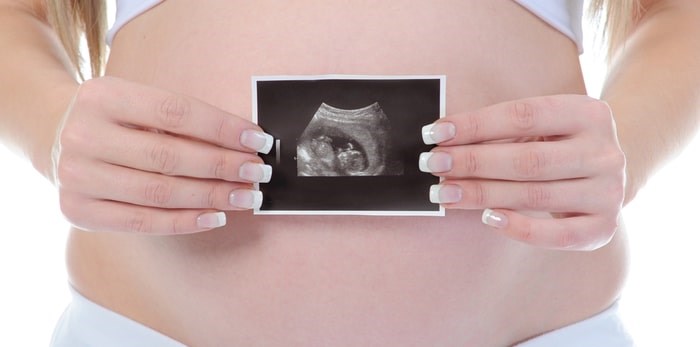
150,151
577,156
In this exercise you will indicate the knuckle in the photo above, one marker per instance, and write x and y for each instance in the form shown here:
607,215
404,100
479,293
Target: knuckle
612,162
472,126
609,228
599,112
158,193
616,222
175,226
209,198
567,239
173,111
538,197
522,115
178,225
163,158
68,172
93,92
138,223
220,169
617,160
526,232
74,135
611,156
616,194
590,237
470,164
599,108
96,96
530,163
224,130
611,221
476,194
605,232
70,208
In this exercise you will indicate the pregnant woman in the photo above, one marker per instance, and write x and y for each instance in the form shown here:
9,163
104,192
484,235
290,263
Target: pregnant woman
154,163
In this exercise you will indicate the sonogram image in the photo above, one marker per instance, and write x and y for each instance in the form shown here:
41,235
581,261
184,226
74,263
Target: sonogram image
347,144
341,142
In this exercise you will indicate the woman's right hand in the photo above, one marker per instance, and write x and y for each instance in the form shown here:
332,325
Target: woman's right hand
133,158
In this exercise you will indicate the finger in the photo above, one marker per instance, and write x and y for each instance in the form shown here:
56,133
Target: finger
533,161
559,115
111,216
176,156
569,196
110,182
148,107
585,232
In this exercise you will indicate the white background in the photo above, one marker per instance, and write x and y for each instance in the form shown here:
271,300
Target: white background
660,304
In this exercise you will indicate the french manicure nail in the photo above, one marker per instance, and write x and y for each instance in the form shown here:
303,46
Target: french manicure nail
445,193
211,220
438,132
247,199
254,172
435,162
257,140
494,219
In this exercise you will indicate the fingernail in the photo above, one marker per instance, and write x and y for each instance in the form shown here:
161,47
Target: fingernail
438,132
494,219
211,220
257,140
435,162
255,172
445,193
244,198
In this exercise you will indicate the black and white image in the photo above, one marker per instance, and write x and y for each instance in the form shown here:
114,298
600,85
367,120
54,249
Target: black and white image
347,144
342,142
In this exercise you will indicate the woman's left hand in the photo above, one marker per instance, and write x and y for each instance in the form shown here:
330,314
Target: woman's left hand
548,171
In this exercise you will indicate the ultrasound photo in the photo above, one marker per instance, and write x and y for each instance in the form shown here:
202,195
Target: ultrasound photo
342,142
347,144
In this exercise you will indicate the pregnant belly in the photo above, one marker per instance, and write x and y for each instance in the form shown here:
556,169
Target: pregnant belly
325,280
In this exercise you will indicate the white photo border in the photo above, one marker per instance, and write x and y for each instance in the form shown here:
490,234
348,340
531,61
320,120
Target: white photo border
255,79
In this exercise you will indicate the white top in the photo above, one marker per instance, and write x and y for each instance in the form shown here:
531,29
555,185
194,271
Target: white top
563,15
126,11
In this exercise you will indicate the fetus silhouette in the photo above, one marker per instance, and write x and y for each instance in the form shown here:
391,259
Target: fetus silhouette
340,142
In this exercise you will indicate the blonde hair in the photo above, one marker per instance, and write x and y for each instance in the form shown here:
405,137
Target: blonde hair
617,18
73,18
